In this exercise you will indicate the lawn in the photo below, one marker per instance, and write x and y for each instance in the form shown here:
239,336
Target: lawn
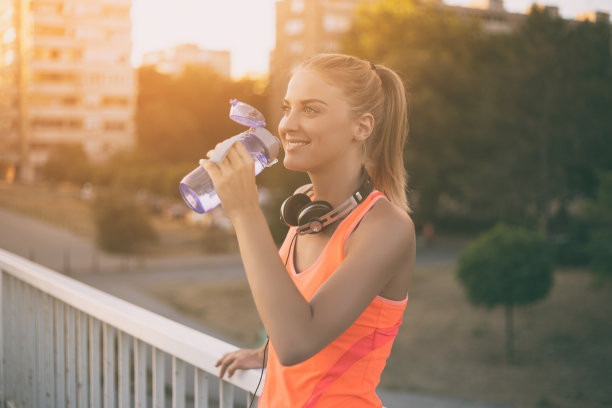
57,205
563,345
61,205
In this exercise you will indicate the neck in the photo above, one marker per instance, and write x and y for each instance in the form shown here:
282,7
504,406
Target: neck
336,185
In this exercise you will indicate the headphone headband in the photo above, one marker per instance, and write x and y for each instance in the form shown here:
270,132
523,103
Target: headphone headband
312,216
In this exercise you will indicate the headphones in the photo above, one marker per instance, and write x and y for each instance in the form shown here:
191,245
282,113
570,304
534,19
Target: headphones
312,216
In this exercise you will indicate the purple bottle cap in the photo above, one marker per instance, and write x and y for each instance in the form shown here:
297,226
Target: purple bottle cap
246,115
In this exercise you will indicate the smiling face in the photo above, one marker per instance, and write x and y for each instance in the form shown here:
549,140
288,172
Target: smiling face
318,128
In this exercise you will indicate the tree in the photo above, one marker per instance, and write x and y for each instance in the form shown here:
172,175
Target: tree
122,225
67,162
431,48
505,127
600,214
181,118
507,266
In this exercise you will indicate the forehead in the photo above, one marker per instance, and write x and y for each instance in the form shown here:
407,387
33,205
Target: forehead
309,84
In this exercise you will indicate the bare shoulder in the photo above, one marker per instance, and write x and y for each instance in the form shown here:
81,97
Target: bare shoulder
386,223
385,218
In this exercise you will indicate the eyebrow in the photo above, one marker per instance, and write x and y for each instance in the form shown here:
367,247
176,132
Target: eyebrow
306,101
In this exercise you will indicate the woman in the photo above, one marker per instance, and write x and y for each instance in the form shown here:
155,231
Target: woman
332,302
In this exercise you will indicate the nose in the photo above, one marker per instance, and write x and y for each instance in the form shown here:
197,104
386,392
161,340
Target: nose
288,123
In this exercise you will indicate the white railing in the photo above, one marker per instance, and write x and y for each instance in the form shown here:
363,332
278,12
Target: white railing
66,344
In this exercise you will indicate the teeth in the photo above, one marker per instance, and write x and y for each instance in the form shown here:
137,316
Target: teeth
295,143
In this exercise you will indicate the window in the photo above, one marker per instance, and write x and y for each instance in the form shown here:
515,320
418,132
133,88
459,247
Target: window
56,77
116,11
296,47
335,23
293,27
46,7
114,101
114,125
57,123
9,35
46,101
9,57
297,6
49,30
88,33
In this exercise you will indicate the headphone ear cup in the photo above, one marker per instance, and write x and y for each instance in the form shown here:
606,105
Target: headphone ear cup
291,208
312,211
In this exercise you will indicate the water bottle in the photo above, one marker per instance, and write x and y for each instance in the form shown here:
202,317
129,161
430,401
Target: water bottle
197,188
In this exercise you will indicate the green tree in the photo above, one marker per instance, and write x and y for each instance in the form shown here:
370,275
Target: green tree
122,225
181,118
431,48
505,127
506,266
67,162
600,214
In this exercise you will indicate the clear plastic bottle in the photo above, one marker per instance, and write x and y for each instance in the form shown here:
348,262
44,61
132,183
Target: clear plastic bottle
197,188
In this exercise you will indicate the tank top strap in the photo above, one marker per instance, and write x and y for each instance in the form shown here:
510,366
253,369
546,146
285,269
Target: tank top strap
355,217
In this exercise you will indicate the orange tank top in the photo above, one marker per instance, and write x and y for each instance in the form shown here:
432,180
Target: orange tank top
347,371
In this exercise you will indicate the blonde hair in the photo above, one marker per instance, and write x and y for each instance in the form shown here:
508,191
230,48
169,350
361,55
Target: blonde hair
377,90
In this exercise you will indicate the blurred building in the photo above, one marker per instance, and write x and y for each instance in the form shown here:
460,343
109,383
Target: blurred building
65,77
594,16
173,60
306,27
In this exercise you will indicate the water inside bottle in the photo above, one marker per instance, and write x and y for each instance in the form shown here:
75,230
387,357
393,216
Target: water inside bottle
209,199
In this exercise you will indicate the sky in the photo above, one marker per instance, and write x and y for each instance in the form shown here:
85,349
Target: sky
246,28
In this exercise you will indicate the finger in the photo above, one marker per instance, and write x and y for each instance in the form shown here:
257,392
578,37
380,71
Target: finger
232,369
224,366
211,168
227,163
209,153
220,361
243,151
240,156
233,156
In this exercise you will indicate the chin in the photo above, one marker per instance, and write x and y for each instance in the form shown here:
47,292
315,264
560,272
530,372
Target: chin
294,165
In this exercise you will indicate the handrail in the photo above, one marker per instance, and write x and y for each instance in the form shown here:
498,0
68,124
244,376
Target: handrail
189,345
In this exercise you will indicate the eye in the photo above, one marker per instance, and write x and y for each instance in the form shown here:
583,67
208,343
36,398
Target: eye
309,109
285,109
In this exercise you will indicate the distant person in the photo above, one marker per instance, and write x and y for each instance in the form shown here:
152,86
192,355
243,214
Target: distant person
429,232
332,299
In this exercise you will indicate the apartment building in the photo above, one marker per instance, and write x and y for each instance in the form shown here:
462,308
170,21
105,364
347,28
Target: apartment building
65,77
173,60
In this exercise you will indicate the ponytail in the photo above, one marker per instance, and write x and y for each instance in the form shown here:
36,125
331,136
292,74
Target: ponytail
385,148
378,90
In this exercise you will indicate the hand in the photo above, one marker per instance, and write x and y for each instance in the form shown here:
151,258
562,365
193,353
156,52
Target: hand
234,180
242,359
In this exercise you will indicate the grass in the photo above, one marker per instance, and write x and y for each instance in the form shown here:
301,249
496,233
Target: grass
61,206
563,345
57,205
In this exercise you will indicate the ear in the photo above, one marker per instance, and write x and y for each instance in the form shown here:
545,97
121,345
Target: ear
365,125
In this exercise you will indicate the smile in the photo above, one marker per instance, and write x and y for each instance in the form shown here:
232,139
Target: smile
296,143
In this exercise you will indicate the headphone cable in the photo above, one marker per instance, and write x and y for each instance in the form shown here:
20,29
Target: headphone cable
263,364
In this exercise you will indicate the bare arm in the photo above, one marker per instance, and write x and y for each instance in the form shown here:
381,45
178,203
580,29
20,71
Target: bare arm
297,328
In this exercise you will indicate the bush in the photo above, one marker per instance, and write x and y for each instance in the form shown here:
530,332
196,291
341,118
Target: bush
122,225
67,162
